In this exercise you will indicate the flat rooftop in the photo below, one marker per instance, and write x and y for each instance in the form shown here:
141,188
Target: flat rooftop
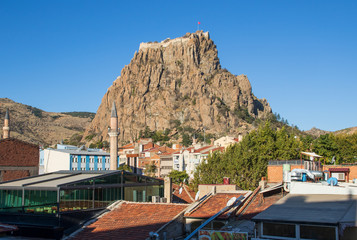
323,188
312,208
81,152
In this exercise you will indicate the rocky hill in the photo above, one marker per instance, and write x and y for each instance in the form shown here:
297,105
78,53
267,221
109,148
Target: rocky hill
37,126
178,82
348,131
316,132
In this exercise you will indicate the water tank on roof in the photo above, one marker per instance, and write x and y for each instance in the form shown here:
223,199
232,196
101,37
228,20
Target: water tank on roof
286,170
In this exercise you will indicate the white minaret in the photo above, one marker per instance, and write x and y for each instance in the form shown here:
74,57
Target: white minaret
6,128
113,135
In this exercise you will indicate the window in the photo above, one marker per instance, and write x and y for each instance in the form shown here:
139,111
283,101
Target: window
339,176
279,230
317,232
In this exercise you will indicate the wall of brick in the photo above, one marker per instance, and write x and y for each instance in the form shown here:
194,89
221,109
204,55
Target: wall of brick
8,175
275,172
14,152
353,169
18,159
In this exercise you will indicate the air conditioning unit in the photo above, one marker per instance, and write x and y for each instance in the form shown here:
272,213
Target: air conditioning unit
155,199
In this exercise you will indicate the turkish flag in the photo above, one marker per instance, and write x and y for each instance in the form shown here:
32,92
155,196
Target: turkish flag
199,22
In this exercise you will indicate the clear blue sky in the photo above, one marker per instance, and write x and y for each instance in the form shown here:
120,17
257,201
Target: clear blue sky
299,55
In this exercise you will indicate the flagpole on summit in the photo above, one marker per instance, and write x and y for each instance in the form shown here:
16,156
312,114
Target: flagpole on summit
198,26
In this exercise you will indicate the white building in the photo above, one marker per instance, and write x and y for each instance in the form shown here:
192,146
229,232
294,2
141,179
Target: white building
227,141
188,159
76,160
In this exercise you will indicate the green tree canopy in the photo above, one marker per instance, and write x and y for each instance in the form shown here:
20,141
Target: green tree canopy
245,163
178,176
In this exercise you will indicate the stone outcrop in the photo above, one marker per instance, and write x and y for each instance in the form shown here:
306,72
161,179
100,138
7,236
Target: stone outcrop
178,81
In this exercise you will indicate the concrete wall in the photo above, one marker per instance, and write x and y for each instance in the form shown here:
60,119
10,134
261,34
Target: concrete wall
166,164
220,188
55,161
174,229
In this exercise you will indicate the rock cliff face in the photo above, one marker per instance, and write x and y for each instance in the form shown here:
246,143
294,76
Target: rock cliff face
178,81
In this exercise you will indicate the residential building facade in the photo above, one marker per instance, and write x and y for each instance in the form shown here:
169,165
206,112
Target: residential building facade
75,160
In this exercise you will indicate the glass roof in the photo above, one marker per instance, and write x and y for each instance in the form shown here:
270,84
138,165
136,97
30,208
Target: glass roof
53,180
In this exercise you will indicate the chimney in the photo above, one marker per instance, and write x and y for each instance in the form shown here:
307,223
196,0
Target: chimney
226,181
168,189
212,141
6,128
113,135
263,183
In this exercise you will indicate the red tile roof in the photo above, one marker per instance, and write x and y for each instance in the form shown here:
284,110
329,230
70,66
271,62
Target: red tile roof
213,150
203,148
338,169
213,205
131,221
259,203
184,197
127,146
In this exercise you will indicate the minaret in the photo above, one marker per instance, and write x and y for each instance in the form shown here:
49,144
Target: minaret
113,135
6,128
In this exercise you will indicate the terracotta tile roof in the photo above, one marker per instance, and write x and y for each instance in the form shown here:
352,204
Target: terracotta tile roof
150,145
203,148
129,145
131,221
213,205
259,203
213,150
166,154
184,197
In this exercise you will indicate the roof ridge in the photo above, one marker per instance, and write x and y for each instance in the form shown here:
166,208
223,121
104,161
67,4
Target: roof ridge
151,203
247,203
184,187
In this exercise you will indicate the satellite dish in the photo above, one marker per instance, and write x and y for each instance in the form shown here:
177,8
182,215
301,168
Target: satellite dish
197,195
180,190
231,201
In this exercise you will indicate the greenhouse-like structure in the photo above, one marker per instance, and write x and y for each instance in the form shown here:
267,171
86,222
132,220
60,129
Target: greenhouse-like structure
63,200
